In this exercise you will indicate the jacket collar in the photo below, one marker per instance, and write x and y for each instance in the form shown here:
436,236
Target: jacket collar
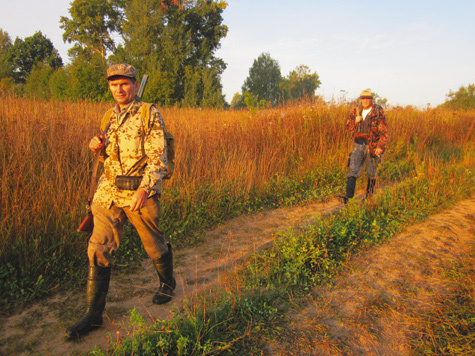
132,108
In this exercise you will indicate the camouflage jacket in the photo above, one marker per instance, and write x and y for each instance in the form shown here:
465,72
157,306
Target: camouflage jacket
377,128
126,144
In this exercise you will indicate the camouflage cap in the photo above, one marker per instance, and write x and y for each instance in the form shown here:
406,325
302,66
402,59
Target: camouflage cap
366,94
122,70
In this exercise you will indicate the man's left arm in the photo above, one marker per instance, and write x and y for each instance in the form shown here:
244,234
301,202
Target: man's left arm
155,149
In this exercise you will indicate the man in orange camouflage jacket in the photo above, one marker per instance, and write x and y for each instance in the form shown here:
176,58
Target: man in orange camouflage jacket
368,123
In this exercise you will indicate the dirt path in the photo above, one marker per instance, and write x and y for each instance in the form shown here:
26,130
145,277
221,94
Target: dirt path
371,307
39,329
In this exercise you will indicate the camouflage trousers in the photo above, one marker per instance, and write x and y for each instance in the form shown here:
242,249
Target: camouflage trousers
358,157
109,226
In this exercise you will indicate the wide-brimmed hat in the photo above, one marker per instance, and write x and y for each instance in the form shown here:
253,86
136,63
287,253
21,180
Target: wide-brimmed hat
366,94
121,70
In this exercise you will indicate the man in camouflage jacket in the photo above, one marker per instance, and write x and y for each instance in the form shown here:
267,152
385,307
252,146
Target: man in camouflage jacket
123,145
368,123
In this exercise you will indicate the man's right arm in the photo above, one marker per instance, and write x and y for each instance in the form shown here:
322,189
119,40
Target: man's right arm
96,144
353,120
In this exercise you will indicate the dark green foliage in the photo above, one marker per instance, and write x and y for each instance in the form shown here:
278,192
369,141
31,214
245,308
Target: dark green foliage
175,44
463,99
34,50
300,84
265,85
59,84
91,27
86,79
173,41
6,67
264,79
37,83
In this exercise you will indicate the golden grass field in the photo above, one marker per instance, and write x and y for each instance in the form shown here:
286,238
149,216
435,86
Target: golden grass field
227,163
45,162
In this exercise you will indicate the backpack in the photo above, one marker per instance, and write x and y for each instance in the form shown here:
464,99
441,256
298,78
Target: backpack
145,116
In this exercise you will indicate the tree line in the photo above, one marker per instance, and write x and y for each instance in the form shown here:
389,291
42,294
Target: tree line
173,41
265,86
462,99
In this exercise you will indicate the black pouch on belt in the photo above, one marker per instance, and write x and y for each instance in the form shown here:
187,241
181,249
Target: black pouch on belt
128,182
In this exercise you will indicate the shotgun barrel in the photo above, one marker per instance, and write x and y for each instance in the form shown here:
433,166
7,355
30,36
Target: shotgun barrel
143,83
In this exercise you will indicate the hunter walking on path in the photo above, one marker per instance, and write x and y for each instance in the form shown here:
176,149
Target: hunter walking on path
368,123
133,147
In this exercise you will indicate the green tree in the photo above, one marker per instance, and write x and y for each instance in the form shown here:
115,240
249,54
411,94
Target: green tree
176,40
92,26
238,102
24,54
86,80
173,41
379,100
264,79
37,81
462,99
212,89
59,84
6,68
300,83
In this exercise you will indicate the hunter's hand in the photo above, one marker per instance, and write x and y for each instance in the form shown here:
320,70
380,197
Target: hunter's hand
138,200
378,151
96,143
358,118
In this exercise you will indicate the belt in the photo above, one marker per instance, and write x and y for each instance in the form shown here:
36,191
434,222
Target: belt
362,135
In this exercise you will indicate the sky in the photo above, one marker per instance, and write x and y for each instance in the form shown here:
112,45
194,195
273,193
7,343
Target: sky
410,52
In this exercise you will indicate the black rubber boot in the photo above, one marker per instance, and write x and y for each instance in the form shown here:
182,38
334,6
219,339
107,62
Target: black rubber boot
164,267
370,187
350,189
97,288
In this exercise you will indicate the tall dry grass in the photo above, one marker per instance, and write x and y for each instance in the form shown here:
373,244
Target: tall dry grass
239,152
44,165
222,158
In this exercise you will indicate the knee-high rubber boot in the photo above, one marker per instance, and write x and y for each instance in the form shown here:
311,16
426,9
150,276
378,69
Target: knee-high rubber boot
97,288
350,189
164,267
370,187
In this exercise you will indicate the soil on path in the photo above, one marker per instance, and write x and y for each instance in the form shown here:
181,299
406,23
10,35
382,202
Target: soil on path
412,259
374,306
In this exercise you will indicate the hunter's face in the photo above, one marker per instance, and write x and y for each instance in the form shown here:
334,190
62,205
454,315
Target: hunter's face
123,90
366,102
